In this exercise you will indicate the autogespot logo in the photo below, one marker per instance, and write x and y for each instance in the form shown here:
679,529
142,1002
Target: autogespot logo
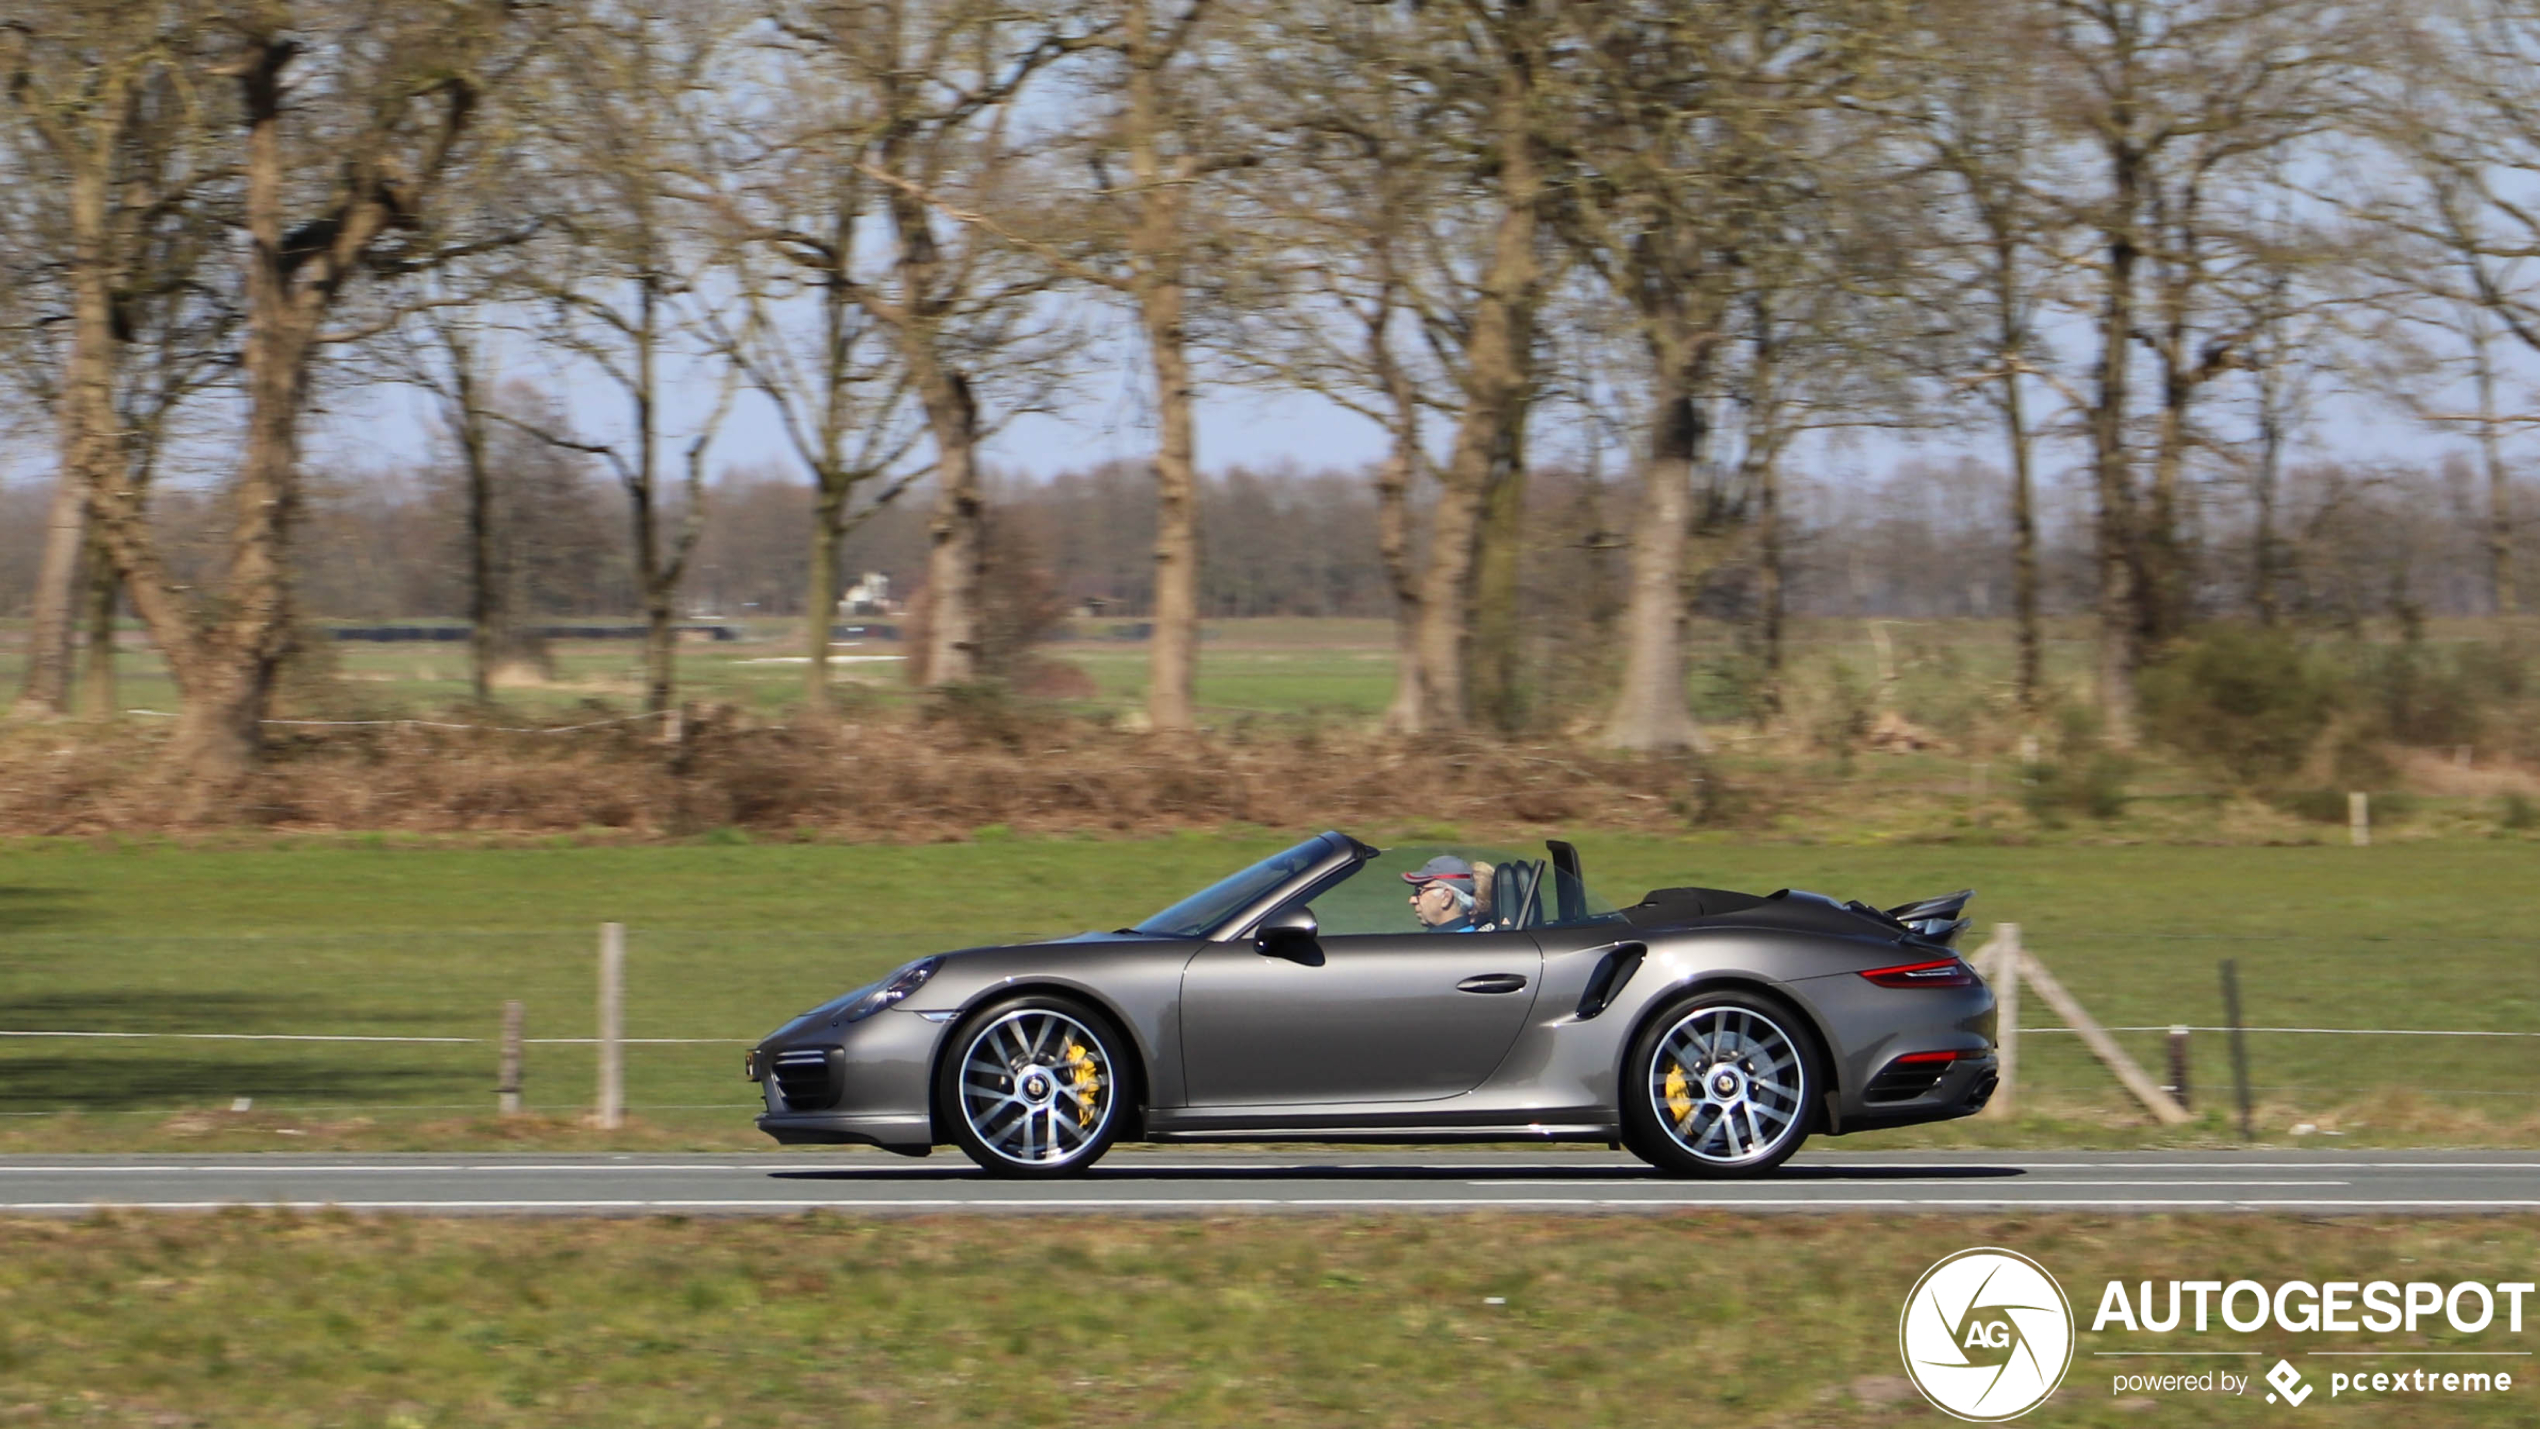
1987,1335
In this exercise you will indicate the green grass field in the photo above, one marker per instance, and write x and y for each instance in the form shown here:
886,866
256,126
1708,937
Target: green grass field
1273,666
276,1320
399,938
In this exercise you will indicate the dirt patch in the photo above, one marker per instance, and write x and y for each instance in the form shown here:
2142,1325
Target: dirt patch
2450,776
938,775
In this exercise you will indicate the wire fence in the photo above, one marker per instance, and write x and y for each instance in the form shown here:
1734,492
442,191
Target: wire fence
401,1020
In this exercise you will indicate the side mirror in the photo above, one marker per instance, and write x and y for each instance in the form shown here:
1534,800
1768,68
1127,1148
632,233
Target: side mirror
1290,933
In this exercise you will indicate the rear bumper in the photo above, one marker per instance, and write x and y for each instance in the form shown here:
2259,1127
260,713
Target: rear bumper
1877,1026
1963,1090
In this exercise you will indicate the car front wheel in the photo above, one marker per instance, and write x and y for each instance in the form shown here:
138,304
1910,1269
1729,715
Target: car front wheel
1721,1084
1033,1086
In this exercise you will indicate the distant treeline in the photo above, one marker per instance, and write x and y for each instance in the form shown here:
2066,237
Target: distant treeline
1920,541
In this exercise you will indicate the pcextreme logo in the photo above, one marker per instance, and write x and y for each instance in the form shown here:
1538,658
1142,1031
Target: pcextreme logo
1987,1335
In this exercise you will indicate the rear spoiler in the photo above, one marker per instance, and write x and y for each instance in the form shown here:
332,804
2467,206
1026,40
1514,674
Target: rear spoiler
1935,918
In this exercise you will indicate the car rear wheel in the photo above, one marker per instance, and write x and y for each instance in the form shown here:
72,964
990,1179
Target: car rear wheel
1722,1084
1034,1086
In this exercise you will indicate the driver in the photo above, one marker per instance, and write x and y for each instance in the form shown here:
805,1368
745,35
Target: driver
1444,895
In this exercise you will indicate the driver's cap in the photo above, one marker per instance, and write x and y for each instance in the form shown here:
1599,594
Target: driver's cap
1445,865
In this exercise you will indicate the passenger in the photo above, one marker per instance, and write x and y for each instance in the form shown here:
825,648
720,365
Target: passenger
1445,894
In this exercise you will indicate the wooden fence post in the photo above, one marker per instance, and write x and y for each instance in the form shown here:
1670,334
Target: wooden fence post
2101,1045
2005,977
611,1113
507,1083
2178,1066
2239,1045
2359,819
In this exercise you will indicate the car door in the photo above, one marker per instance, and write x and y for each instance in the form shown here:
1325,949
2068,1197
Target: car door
1391,1017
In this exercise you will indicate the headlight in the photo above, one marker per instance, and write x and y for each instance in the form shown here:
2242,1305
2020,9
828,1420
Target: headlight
893,989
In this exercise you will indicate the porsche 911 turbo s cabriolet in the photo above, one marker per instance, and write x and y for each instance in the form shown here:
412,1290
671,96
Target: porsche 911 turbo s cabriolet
1340,992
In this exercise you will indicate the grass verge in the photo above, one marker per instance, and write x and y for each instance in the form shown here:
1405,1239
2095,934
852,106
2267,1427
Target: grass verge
385,938
287,1320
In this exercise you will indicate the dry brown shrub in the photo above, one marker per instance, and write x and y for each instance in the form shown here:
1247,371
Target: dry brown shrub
937,774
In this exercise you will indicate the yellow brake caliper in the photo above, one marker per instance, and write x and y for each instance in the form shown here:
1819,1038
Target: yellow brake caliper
1088,1083
1679,1097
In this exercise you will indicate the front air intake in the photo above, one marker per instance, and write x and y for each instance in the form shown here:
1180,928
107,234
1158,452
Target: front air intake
810,1079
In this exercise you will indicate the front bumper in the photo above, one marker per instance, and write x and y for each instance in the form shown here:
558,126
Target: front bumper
865,1083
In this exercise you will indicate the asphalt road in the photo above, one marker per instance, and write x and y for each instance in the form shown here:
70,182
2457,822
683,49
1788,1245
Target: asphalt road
1159,1180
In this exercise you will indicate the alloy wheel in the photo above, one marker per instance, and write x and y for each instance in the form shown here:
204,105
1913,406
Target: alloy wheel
1037,1088
1728,1085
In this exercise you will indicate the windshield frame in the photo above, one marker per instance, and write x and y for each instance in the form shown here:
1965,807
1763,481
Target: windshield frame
1244,904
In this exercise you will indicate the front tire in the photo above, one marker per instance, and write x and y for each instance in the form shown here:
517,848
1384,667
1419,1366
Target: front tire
1720,1085
1034,1086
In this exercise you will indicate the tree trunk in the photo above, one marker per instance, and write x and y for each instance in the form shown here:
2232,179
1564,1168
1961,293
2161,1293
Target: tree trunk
97,674
660,586
91,439
2113,477
2500,500
1155,243
217,733
1445,585
1497,359
1173,661
2262,537
1650,712
1393,525
954,546
2026,637
1769,582
2161,594
1498,683
1393,543
46,690
2023,541
820,594
484,593
660,648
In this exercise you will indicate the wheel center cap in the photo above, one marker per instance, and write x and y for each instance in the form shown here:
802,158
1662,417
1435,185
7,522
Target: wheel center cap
1724,1083
1036,1087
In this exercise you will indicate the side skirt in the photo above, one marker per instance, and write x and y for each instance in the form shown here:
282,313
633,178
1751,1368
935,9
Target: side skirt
1396,1135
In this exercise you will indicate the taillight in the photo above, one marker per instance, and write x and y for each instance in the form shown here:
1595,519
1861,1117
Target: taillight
1945,972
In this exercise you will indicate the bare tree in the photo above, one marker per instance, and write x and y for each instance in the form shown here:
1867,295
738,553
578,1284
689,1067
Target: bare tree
110,155
2459,107
445,353
1157,59
346,120
1970,116
935,85
1336,293
623,266
1691,184
802,336
2180,108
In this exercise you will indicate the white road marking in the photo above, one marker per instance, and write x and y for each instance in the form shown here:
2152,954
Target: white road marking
2020,1181
1354,1203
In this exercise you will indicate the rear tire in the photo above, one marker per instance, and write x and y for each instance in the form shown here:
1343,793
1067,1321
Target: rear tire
1035,1086
1721,1085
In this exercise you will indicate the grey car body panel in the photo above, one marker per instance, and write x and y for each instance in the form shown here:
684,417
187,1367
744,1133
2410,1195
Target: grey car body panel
1379,1019
1377,1042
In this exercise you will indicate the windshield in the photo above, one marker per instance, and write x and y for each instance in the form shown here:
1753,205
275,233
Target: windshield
1197,915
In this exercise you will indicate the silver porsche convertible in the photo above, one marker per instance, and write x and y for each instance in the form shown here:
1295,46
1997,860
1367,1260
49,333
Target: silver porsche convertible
1341,992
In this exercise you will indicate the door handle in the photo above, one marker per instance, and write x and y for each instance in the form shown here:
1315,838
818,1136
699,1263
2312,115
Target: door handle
1492,982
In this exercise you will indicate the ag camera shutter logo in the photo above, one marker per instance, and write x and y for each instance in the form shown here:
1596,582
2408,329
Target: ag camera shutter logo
1987,1335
